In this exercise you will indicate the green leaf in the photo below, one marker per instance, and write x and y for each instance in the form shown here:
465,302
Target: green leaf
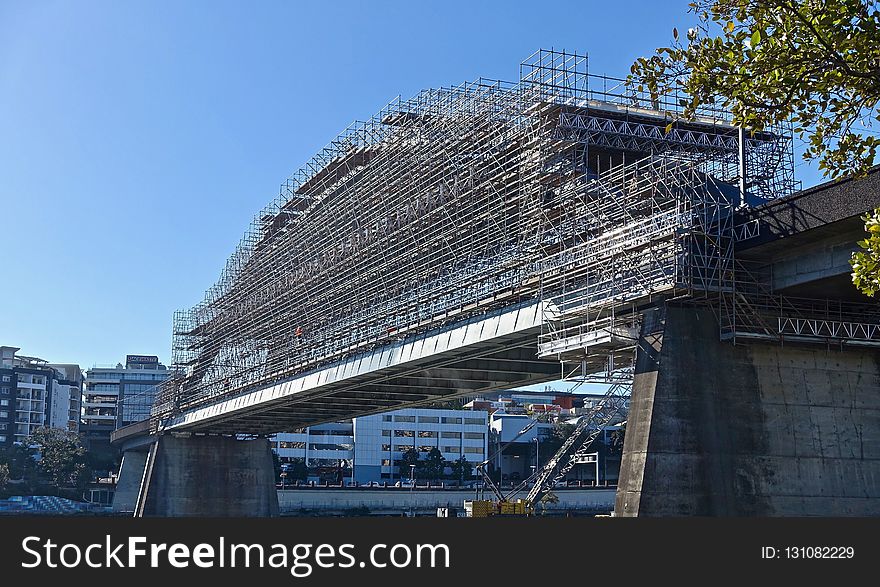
756,38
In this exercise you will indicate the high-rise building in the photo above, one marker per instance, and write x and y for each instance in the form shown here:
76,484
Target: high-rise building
66,403
35,393
117,396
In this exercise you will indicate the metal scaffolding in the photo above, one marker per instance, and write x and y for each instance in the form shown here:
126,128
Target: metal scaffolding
566,187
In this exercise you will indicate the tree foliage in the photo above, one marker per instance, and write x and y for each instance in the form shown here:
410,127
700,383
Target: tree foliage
866,263
462,469
62,456
19,461
4,476
814,62
552,442
432,466
297,470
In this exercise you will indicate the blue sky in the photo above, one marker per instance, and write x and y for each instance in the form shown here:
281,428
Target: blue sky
138,138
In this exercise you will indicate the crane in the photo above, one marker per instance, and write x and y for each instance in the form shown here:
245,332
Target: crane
588,428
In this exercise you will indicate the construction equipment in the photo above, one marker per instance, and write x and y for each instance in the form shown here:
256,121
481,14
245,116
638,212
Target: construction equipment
588,428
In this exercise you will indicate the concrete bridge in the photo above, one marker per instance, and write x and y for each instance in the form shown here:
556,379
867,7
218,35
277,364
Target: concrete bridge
496,235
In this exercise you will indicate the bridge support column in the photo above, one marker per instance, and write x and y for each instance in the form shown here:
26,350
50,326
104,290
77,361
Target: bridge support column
748,430
131,474
214,476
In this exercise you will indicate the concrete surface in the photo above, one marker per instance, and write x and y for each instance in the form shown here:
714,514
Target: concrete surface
131,474
423,501
748,430
215,476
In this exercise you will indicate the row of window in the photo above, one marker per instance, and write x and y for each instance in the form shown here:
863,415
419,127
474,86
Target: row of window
434,420
314,446
400,462
433,434
132,388
103,387
37,379
23,392
406,447
128,376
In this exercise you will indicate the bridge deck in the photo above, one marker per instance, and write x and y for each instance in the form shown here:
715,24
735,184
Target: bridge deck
496,351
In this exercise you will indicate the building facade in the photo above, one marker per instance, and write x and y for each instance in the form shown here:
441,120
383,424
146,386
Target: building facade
370,448
324,445
382,439
117,396
516,429
35,394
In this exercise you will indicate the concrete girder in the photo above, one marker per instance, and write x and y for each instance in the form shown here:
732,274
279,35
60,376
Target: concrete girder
504,334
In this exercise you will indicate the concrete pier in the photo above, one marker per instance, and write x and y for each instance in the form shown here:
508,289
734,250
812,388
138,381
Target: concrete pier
748,430
214,476
131,474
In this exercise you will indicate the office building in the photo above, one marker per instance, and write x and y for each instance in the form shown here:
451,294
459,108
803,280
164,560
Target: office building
382,439
117,396
373,445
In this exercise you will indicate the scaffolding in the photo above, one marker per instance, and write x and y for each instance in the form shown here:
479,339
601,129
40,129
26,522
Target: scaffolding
565,187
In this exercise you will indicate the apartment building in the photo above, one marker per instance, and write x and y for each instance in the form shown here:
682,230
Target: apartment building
34,394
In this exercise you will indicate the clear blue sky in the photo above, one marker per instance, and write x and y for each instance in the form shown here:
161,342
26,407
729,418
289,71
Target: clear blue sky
138,138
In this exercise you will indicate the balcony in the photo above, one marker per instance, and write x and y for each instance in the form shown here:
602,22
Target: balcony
87,404
102,417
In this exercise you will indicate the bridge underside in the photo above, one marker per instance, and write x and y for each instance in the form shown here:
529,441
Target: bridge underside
498,351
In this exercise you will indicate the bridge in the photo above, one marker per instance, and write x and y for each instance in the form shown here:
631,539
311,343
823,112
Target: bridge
495,234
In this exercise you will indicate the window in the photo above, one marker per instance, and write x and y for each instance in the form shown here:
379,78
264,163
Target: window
452,449
429,420
4,391
7,379
451,420
426,448
3,425
291,444
474,421
2,438
330,446
427,434
386,418
473,450
474,435
386,433
4,414
386,462
404,418
386,447
4,403
404,433
450,435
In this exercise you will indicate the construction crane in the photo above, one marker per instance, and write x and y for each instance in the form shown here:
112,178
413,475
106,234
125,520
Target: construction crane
588,428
